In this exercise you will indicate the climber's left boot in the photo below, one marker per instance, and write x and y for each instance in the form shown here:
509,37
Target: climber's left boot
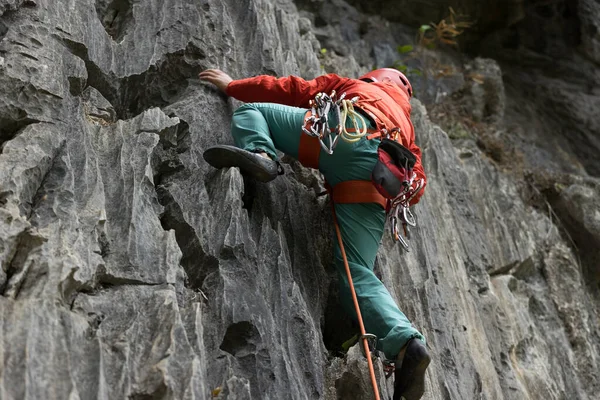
260,168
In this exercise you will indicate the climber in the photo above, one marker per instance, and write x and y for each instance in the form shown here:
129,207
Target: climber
272,119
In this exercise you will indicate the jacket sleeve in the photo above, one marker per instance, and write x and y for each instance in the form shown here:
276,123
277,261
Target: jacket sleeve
291,90
418,168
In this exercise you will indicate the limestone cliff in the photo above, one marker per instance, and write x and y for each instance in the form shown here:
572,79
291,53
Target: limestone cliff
131,269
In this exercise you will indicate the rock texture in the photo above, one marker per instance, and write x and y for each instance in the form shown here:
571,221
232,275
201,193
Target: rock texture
131,269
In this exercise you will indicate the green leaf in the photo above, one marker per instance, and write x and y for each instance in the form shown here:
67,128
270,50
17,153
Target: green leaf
350,342
323,51
424,28
407,48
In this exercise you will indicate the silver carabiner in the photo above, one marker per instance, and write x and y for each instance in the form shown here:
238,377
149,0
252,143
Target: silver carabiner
403,242
371,342
324,147
396,235
408,217
335,142
417,190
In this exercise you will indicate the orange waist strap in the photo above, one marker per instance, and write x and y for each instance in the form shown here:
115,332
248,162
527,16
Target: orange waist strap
309,149
356,192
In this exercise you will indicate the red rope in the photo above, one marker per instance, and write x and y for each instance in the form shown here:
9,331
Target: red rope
358,314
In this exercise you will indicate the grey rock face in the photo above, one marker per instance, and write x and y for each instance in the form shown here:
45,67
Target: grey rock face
131,269
487,90
590,38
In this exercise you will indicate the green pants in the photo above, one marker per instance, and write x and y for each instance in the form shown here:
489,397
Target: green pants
267,127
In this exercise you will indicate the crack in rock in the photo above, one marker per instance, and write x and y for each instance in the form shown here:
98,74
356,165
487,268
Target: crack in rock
195,261
165,163
10,7
116,16
107,280
11,127
160,85
3,31
20,265
241,339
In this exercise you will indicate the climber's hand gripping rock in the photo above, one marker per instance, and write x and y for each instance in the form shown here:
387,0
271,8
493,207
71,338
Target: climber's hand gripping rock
217,77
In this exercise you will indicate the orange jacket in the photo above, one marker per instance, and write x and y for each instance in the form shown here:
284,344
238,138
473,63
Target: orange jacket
387,104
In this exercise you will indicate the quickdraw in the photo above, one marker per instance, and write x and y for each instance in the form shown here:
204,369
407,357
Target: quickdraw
399,213
317,124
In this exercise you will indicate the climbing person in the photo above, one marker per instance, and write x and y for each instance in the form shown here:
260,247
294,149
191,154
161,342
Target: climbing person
290,114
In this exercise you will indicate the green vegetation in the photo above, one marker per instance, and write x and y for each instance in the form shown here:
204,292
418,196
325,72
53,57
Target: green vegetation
444,32
430,37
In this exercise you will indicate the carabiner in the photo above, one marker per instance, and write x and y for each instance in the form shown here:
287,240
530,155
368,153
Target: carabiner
408,217
371,341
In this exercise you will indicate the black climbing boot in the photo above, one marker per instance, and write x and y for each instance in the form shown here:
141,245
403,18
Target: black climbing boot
410,371
260,168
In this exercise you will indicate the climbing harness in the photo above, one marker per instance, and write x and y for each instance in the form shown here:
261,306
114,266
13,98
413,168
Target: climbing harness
317,123
363,334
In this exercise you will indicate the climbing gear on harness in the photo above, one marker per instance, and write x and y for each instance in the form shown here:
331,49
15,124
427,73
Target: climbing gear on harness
260,168
389,367
393,177
383,74
399,211
410,371
364,336
316,123
393,170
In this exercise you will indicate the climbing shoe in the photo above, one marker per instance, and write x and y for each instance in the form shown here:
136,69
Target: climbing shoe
410,371
258,167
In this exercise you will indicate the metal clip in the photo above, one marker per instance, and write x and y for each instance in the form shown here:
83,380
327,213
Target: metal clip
371,341
408,218
396,233
321,106
400,212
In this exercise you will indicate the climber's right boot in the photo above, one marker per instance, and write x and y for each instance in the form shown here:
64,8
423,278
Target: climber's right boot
410,371
260,168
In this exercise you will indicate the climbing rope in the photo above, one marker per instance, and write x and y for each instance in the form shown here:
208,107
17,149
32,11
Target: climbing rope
364,336
357,121
317,123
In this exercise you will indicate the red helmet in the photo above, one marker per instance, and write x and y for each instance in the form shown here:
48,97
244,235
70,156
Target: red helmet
391,74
